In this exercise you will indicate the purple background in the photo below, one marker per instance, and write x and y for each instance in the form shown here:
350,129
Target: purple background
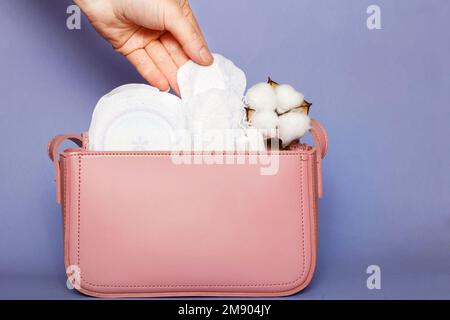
383,96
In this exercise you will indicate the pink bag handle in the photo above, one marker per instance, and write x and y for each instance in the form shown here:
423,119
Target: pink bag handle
52,149
321,143
320,137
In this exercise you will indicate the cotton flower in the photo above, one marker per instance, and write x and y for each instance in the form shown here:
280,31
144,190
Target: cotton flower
292,126
266,122
287,98
262,97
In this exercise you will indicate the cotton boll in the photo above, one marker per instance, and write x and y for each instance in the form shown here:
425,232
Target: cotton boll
292,126
261,97
287,98
266,122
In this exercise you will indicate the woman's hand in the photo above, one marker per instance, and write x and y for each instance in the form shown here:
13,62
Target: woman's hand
156,36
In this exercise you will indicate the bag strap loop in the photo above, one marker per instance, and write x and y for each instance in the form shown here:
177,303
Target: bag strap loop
52,150
321,143
320,137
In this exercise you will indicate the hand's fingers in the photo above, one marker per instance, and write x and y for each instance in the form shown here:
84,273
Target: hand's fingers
164,62
139,39
148,70
190,39
174,48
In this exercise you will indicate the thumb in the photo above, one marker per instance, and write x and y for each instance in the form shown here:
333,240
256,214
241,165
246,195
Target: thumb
187,35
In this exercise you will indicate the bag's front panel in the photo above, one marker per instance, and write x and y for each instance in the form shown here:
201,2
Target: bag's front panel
139,224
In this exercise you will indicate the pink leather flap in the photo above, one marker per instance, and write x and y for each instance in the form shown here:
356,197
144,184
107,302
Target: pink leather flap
137,224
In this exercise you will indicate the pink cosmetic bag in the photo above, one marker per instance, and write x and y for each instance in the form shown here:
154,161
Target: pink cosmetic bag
141,224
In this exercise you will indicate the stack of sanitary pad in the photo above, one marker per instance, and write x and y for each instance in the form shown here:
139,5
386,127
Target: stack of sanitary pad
209,116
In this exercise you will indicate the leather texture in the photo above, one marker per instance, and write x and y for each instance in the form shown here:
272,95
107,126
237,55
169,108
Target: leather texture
136,224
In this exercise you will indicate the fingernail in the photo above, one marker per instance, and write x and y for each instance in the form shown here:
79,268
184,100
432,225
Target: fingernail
163,86
205,55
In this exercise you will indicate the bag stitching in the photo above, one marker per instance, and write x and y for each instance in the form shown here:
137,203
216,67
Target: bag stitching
168,154
215,285
79,211
187,285
65,211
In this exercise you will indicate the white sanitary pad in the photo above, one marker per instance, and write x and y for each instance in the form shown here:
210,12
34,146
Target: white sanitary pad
213,99
210,112
194,79
135,117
